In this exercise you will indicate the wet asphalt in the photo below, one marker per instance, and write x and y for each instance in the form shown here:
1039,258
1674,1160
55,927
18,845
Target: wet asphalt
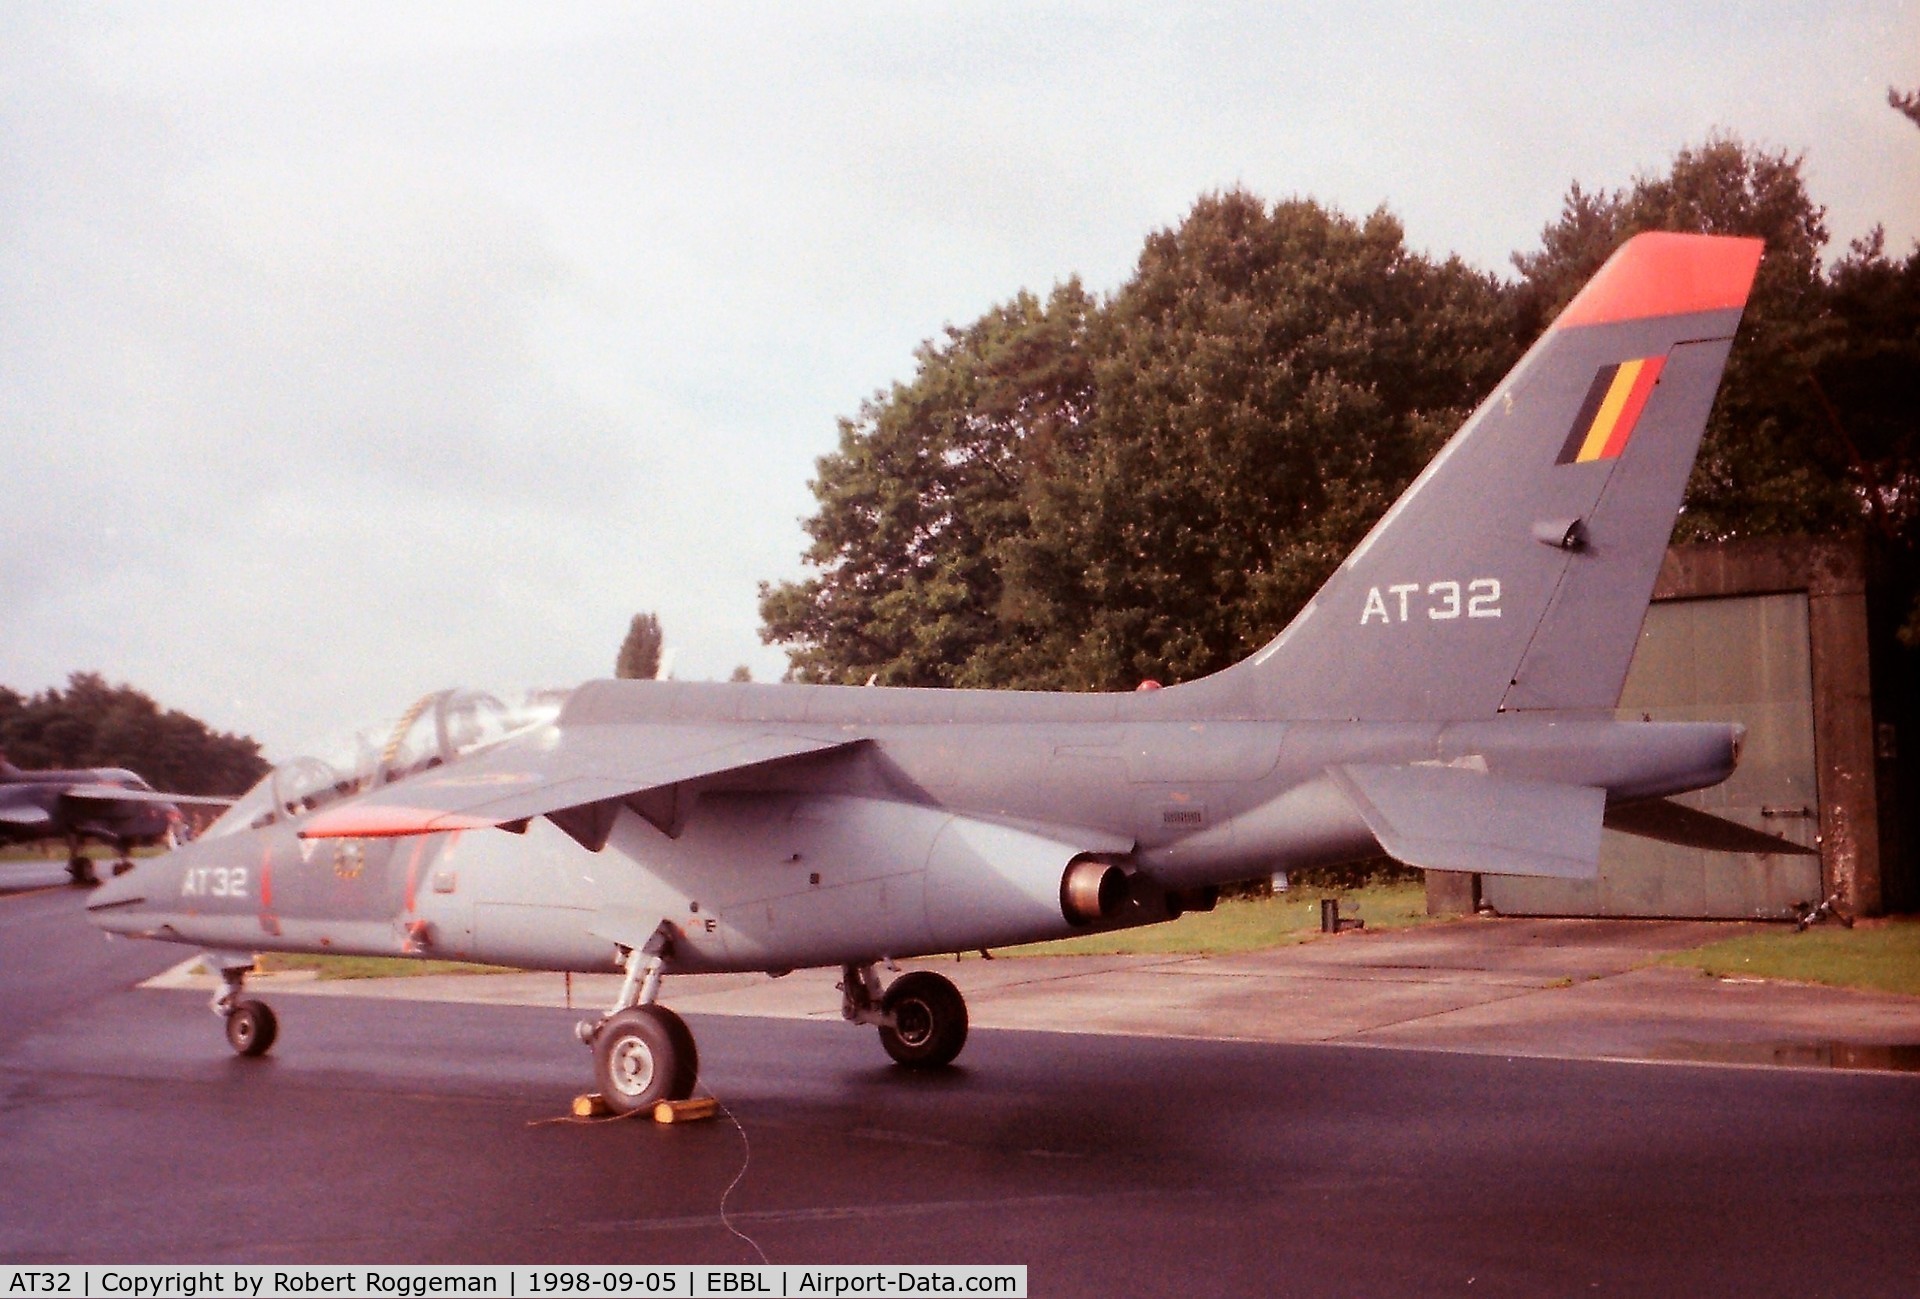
383,1131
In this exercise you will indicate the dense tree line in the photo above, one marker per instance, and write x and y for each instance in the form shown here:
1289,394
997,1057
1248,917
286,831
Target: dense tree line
1081,492
93,724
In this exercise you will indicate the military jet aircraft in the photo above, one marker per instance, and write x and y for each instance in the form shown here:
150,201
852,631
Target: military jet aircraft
109,805
1447,697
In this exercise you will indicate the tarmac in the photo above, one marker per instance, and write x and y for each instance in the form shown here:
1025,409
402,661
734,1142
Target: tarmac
1558,989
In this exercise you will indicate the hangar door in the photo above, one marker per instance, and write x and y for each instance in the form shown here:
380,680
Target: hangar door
1734,658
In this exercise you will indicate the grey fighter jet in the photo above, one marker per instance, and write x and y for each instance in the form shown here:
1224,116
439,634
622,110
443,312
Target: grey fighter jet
109,805
1446,698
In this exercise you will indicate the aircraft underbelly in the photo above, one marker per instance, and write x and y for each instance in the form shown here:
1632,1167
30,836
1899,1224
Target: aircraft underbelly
774,881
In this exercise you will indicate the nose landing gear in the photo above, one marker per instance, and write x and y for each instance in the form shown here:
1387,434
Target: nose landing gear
251,1024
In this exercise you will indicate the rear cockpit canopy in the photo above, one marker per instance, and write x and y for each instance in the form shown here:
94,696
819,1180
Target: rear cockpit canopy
438,728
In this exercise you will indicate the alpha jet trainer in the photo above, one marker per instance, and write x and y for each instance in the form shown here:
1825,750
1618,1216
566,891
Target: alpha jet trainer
109,805
1447,697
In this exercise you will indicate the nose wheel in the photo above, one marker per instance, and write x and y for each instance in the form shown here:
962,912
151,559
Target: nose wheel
251,1024
251,1028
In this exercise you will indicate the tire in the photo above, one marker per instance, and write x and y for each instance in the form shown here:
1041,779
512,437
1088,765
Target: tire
80,871
251,1028
930,1020
686,1054
642,1056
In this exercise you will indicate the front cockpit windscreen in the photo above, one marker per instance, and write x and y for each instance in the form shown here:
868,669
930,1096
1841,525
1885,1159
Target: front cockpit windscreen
438,728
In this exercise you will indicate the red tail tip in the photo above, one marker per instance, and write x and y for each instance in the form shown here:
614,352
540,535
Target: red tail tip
1663,274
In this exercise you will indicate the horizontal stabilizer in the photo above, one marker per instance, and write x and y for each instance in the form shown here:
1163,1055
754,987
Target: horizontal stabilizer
556,771
1676,823
1457,819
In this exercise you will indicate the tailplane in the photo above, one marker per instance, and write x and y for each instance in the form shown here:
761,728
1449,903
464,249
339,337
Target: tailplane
1514,574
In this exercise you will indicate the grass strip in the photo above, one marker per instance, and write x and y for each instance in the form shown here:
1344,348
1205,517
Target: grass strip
367,967
1880,955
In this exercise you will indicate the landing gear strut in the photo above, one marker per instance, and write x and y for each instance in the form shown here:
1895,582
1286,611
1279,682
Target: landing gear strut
79,865
81,869
643,1053
922,1017
251,1024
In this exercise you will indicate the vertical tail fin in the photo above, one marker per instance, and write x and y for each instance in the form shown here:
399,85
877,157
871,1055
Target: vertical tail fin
1515,572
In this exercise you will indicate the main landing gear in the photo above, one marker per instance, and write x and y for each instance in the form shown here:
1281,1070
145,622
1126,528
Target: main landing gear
82,871
251,1024
922,1017
643,1053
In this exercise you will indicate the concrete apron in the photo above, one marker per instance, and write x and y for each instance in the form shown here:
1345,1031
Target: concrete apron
1573,989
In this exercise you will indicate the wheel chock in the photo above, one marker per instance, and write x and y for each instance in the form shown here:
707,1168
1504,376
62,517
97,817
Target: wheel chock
591,1106
701,1107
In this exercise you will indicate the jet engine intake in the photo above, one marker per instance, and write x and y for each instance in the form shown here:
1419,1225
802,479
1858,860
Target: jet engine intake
1092,890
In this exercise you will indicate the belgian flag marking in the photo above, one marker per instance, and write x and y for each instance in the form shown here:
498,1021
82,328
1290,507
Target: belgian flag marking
1611,409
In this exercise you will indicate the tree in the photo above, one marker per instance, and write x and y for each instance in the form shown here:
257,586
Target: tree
926,489
1082,493
1907,104
1266,383
639,657
94,724
741,673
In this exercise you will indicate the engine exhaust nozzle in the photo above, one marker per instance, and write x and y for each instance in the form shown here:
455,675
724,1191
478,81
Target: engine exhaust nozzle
1091,891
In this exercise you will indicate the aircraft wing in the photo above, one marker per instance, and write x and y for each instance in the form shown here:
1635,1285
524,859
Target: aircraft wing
1454,819
116,794
579,777
25,816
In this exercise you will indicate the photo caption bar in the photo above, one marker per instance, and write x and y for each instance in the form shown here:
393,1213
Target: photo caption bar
194,1281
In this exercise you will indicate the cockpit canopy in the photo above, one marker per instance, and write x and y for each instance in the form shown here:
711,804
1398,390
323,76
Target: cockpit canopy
438,728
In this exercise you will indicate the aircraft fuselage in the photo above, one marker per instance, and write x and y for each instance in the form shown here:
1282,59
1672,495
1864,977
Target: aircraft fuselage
951,829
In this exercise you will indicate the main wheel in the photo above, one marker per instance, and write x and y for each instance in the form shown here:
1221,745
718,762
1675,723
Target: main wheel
929,1020
80,870
644,1055
251,1028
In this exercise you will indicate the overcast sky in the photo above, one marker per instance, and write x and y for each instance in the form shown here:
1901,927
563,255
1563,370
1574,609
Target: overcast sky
349,351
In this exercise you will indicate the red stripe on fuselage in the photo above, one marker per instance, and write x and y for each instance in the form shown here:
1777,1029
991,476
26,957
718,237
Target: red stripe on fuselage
353,821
